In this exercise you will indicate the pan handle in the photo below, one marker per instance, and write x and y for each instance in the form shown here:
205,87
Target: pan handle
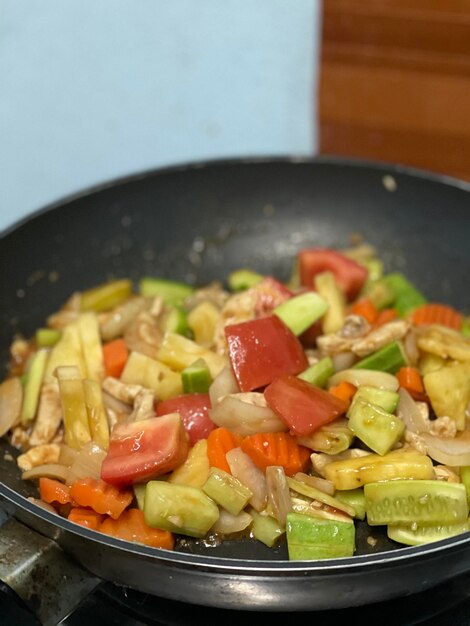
36,569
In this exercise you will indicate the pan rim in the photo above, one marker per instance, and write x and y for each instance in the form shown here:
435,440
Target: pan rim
327,159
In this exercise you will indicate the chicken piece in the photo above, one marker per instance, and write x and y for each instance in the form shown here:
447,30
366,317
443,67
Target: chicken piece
114,323
20,351
144,334
333,343
19,438
380,337
414,441
47,453
144,406
62,318
443,427
213,292
121,391
240,307
443,342
446,474
354,326
49,416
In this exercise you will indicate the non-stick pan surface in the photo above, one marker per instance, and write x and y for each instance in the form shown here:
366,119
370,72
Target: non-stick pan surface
197,223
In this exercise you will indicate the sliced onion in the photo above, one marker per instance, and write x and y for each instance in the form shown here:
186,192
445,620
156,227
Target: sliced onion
87,463
411,347
47,470
227,524
408,411
116,322
317,509
343,360
315,481
223,384
11,400
246,414
372,378
43,505
67,455
454,452
278,493
243,468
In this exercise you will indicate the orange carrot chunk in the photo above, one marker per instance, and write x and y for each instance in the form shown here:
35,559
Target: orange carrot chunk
131,526
220,441
436,313
410,379
266,449
385,316
344,390
115,355
51,490
86,517
101,497
366,308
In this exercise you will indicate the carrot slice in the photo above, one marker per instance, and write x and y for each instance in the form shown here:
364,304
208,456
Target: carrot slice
266,449
219,442
344,390
101,497
115,355
86,517
385,316
410,379
131,526
51,490
436,313
366,308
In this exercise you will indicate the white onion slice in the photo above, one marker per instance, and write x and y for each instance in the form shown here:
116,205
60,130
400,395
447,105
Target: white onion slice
246,414
343,360
223,384
11,400
408,411
243,468
43,505
411,347
278,493
321,484
56,471
227,524
87,464
372,378
454,452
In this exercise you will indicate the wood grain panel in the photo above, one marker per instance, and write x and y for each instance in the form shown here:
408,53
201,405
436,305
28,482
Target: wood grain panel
395,82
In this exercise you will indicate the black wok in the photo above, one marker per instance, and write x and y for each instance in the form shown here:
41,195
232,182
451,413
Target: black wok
197,223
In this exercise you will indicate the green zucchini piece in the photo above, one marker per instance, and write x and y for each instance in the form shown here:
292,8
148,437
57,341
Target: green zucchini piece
354,498
421,502
384,398
265,528
389,359
418,535
374,266
172,292
242,279
465,478
300,312
196,378
179,508
139,494
32,388
316,494
310,538
175,320
380,294
407,297
227,491
47,337
320,373
379,430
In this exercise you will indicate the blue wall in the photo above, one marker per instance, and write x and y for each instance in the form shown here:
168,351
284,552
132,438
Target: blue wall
95,89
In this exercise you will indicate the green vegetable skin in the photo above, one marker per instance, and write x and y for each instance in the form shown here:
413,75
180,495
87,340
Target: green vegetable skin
227,491
172,292
242,279
47,337
32,387
320,373
300,312
416,536
407,297
196,378
175,320
389,359
354,498
179,508
265,528
421,502
384,398
375,427
311,538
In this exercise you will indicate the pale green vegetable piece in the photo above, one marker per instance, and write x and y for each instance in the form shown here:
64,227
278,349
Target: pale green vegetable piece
32,388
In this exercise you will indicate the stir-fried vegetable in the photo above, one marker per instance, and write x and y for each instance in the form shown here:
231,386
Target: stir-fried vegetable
280,411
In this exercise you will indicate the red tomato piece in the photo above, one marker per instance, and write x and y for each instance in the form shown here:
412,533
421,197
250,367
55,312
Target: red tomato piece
350,275
193,408
143,450
302,406
262,349
270,294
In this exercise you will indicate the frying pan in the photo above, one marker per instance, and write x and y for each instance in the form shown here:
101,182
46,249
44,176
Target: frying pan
196,223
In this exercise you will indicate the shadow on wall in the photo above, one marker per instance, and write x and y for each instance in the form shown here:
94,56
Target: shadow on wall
92,91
